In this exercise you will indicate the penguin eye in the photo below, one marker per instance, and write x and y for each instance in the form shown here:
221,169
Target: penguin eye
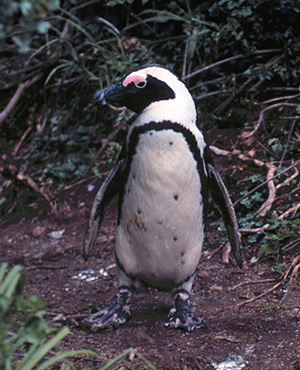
141,84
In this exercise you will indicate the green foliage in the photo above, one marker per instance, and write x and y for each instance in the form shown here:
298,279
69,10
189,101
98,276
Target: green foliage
278,237
26,338
270,308
31,17
117,2
67,50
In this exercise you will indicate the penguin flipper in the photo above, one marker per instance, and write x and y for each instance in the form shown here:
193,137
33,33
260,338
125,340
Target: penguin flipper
108,190
222,199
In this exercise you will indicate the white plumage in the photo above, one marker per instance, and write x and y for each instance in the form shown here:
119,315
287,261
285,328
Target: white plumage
162,212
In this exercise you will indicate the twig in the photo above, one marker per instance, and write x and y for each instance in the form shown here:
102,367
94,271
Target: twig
108,140
270,176
109,25
265,182
291,244
17,147
221,107
289,179
279,98
268,150
68,187
198,365
204,96
286,274
294,117
290,210
186,51
287,142
255,86
253,282
291,283
230,59
213,65
215,252
15,98
47,267
262,115
272,191
29,182
254,231
283,89
32,184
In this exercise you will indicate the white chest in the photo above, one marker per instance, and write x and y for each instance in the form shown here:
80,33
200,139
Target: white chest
160,234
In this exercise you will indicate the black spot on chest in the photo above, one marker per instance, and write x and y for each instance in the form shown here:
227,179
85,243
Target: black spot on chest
149,129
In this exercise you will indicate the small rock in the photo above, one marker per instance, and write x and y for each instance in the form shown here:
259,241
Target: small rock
296,312
58,234
216,288
59,317
38,231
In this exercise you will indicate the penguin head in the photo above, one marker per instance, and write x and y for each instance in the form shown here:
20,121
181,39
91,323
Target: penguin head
150,89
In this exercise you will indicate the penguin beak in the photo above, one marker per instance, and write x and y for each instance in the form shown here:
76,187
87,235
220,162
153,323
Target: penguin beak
113,95
99,97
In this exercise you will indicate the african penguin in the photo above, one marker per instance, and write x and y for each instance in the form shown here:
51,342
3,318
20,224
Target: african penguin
162,177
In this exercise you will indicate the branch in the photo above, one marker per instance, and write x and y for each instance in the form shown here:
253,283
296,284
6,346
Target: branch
262,116
272,191
284,277
108,140
32,184
230,59
255,231
27,181
290,210
289,179
270,176
253,282
279,98
109,24
287,143
221,107
15,98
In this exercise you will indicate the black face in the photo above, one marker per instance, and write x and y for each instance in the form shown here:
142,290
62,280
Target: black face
136,95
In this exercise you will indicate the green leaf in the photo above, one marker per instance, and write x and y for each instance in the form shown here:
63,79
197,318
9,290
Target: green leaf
116,359
29,362
43,26
61,356
10,282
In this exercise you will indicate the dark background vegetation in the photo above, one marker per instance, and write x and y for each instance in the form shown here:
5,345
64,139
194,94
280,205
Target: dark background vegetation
239,58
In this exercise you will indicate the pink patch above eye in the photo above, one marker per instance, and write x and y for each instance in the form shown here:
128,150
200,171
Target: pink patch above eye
138,80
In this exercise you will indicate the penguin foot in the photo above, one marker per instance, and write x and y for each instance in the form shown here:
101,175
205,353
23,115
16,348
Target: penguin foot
181,316
115,314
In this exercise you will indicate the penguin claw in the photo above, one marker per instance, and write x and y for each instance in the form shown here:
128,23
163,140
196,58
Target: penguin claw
115,314
181,316
185,320
108,317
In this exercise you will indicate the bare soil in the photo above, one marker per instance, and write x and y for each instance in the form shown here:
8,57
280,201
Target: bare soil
265,333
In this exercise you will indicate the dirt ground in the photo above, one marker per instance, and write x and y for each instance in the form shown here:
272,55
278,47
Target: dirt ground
263,334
